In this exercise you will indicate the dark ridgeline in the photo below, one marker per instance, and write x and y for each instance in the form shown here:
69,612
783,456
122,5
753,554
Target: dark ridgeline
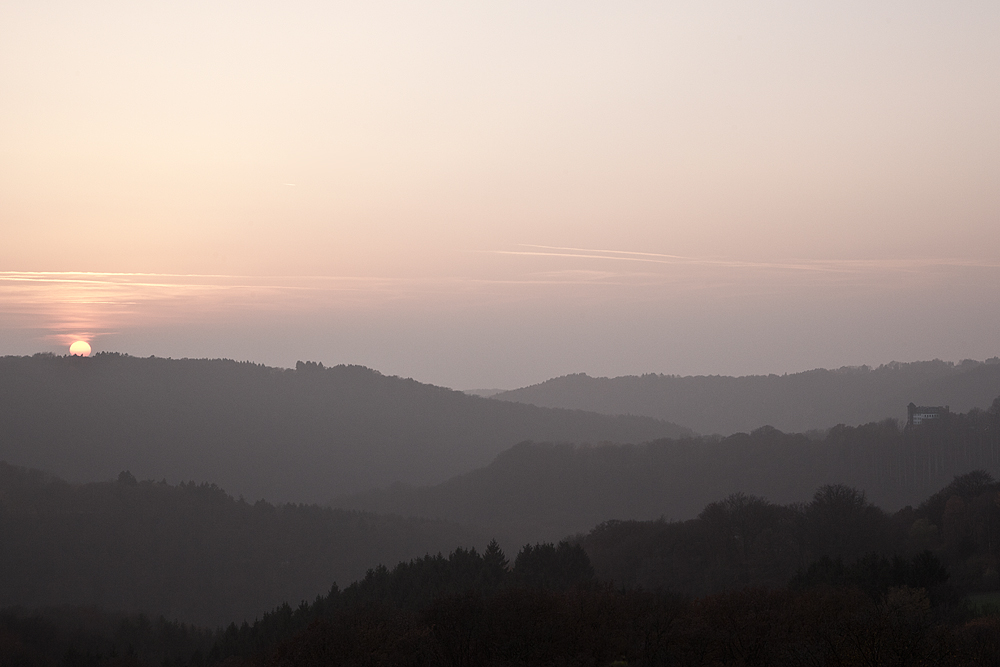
835,579
799,402
787,557
287,435
189,551
544,492
843,625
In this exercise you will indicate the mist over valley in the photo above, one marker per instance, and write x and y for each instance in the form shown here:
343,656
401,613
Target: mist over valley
510,334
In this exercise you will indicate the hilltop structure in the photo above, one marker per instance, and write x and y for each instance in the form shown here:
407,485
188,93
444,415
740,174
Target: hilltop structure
918,414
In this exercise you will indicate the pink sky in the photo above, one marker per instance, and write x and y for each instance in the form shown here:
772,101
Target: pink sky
484,195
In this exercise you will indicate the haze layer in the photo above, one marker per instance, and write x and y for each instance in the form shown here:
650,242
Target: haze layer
492,195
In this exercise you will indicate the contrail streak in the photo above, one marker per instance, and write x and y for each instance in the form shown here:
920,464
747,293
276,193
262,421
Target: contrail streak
831,266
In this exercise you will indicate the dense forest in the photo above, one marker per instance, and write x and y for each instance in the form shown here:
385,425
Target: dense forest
188,551
758,548
539,491
87,636
799,402
836,581
746,540
302,435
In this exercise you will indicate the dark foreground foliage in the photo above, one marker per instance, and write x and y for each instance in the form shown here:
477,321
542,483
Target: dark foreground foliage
833,582
410,589
548,609
587,626
606,627
747,541
583,625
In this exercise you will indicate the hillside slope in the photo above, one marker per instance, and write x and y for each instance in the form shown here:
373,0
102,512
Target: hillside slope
542,491
286,435
800,402
188,552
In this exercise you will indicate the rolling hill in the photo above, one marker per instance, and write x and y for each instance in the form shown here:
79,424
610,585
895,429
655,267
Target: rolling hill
188,552
799,402
301,435
543,491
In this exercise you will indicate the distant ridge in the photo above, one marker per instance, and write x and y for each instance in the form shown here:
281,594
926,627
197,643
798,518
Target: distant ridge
543,491
484,393
799,402
302,435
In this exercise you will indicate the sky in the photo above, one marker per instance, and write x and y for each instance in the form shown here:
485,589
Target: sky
487,195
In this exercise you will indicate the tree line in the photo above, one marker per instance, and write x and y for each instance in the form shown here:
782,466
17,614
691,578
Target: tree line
796,402
836,581
303,435
545,491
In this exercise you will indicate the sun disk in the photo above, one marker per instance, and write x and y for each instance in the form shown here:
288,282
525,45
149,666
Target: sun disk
80,348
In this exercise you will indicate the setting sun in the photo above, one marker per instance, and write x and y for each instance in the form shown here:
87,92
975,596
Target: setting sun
80,348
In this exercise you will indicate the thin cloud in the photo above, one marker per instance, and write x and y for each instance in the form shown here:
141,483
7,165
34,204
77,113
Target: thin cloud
615,252
185,283
831,266
118,273
66,303
672,260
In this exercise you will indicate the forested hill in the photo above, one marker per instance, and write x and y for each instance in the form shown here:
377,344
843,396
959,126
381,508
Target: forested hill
800,402
287,435
188,552
835,580
545,491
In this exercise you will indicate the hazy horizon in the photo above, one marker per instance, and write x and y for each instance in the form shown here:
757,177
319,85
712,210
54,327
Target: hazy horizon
492,196
490,391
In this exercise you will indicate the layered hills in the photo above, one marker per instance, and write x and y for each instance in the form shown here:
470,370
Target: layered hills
193,553
799,402
304,434
189,551
545,491
835,578
761,520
